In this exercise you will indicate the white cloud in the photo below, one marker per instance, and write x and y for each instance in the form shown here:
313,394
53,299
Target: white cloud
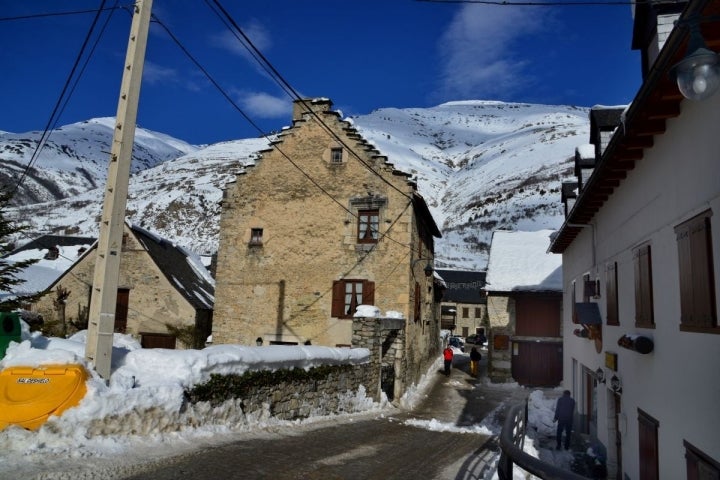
264,105
478,51
257,34
155,74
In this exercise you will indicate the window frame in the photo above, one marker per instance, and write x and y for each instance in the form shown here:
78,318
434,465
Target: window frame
339,306
698,464
256,237
365,218
698,311
644,309
336,155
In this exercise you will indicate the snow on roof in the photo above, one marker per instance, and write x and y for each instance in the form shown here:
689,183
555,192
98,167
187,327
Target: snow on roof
586,151
519,261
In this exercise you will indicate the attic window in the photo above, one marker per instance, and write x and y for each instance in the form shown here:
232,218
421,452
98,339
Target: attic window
52,254
256,236
336,155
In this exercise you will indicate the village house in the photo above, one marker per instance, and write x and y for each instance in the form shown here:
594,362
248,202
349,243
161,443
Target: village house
641,263
164,298
464,307
322,224
524,309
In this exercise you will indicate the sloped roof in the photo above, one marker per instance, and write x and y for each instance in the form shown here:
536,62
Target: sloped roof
463,286
657,101
182,268
520,261
41,275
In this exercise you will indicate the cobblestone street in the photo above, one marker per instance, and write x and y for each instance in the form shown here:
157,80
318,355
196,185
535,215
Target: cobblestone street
368,447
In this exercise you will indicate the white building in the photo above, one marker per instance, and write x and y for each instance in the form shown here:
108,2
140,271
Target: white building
640,270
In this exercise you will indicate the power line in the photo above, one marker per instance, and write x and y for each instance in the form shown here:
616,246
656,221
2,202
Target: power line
247,117
57,14
55,113
545,4
296,96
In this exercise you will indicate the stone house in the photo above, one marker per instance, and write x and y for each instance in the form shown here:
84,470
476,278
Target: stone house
321,224
641,265
524,308
160,284
464,306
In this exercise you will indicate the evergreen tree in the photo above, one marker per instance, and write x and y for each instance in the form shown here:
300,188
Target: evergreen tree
9,270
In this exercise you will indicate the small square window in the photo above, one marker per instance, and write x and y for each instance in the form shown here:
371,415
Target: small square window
256,236
336,155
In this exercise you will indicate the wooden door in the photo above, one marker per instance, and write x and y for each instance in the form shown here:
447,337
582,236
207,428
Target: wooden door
121,309
537,364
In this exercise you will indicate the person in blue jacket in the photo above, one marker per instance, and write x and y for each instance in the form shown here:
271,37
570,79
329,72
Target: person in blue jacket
564,412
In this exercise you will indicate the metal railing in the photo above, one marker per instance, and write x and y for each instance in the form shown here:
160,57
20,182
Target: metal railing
512,439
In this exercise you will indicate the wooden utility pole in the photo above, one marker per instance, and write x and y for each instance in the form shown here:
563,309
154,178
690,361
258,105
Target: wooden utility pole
101,321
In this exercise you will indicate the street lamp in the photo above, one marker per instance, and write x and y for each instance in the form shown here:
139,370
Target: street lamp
698,74
428,270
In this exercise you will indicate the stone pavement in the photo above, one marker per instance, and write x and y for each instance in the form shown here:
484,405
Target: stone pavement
384,446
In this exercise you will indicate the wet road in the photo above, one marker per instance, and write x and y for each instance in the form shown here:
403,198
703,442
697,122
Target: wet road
367,447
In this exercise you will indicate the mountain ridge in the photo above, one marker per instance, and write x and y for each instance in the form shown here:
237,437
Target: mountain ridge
480,165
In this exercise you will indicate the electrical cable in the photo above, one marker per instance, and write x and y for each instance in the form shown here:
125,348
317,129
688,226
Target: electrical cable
56,14
58,103
247,117
296,96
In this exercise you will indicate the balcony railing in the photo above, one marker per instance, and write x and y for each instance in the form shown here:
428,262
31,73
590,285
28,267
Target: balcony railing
512,439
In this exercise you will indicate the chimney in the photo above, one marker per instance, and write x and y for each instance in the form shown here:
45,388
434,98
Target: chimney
306,105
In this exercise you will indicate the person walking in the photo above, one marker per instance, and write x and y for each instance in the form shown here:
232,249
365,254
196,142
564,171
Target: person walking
475,358
448,358
564,412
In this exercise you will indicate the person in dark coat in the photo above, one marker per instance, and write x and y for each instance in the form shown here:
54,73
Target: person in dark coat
448,358
564,412
475,358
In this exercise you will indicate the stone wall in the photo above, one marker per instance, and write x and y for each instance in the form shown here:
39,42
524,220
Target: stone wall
501,315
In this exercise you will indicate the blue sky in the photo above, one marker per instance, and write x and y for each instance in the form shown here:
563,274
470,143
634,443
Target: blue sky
362,54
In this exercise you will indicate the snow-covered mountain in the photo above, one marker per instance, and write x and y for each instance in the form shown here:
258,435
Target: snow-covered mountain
74,158
480,165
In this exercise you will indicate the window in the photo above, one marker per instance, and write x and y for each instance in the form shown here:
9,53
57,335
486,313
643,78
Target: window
642,260
648,436
349,294
697,279
256,236
368,226
699,465
611,295
478,312
466,312
336,155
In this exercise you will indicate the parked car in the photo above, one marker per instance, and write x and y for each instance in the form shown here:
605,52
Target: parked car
457,342
476,338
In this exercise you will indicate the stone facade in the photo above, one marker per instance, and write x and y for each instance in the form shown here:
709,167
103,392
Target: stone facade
501,317
289,235
153,301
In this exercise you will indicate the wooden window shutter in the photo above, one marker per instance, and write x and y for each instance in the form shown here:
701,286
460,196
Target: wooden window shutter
338,299
682,233
703,278
643,287
648,439
368,294
611,295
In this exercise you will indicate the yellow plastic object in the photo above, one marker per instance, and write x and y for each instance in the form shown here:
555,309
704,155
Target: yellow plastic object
29,395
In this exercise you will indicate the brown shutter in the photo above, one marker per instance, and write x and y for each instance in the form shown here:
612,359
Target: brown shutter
687,315
121,309
648,439
368,296
703,283
338,299
643,287
611,295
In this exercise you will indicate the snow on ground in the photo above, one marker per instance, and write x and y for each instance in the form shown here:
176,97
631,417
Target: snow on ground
140,416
